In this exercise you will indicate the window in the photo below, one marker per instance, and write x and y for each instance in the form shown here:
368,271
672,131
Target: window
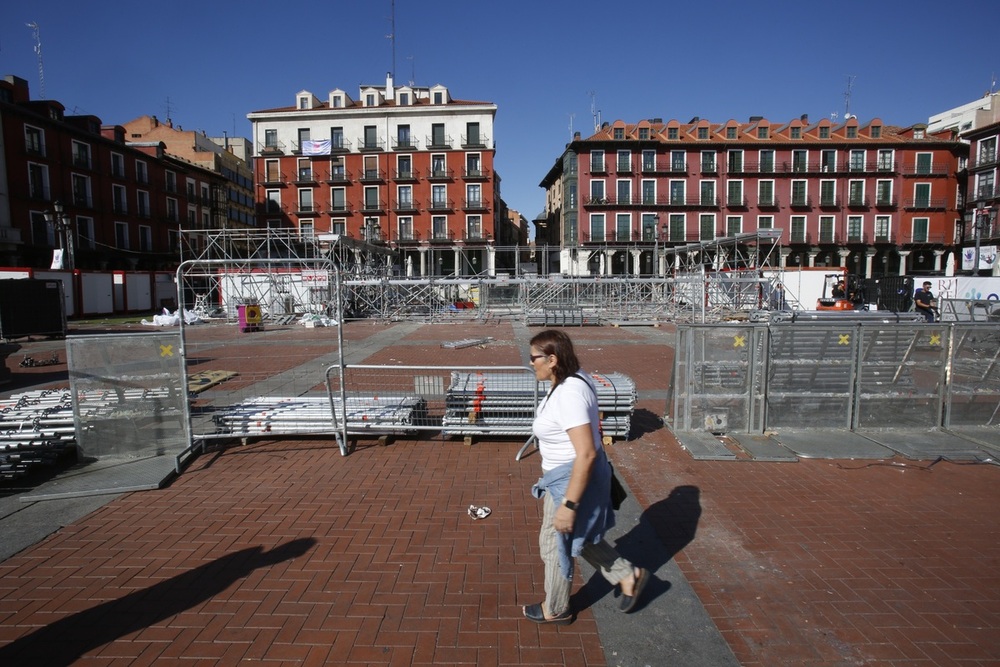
371,172
273,201
270,139
597,192
828,161
38,181
708,161
883,193
171,181
766,161
765,222
734,225
304,136
798,225
85,233
828,193
173,212
648,192
624,161
439,227
643,133
857,160
272,173
619,133
649,231
852,132
881,229
734,193
118,201
439,166
921,226
337,171
305,169
472,134
856,193
370,137
706,227
404,166
404,197
677,226
404,228
922,195
307,229
474,227
876,131
473,165
403,136
855,228
474,195
703,133
437,135
824,133
924,163
624,192
826,229
338,199
337,138
118,166
42,233
800,161
121,235
678,161
795,133
677,194
987,151
438,97
141,172
648,160
597,161
885,159
984,185
762,132
81,190
145,238
597,227
372,202
34,140
730,133
305,200
708,194
673,133
765,193
800,193
623,227
439,197
735,162
81,155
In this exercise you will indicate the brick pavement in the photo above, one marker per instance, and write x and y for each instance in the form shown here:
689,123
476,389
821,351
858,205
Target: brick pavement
284,552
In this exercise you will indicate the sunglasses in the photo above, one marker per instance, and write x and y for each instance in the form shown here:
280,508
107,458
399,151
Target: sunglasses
535,357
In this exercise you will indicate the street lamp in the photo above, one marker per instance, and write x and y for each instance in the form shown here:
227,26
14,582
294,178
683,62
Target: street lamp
63,226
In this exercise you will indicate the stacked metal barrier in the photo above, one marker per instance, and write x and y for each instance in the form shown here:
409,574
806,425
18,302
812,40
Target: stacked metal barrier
314,414
482,402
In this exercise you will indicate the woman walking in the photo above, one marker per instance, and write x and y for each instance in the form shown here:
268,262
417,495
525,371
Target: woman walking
575,484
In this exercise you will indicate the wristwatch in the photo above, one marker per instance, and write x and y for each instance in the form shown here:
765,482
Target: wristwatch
570,504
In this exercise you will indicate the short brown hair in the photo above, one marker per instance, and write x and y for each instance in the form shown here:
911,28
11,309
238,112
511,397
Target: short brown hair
558,344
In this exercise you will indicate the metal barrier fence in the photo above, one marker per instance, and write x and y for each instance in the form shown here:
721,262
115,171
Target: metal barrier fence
850,375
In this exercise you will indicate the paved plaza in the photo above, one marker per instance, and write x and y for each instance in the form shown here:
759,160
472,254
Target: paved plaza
283,552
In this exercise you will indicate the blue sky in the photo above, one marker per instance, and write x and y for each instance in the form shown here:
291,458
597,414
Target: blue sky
545,63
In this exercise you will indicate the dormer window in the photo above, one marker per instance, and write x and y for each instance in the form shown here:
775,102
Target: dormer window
619,133
338,101
918,133
303,103
404,99
796,133
824,133
730,133
876,131
673,133
852,132
762,133
703,133
438,98
370,100
643,133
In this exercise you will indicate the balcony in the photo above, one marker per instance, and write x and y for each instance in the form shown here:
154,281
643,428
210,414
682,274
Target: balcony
39,193
405,175
829,202
81,160
800,202
442,236
441,205
474,204
405,206
474,141
338,176
373,206
404,144
439,142
408,237
339,208
307,209
371,176
769,202
935,169
476,174
82,200
857,202
984,159
709,168
440,175
271,148
598,167
885,202
623,166
273,178
371,145
737,202
305,176
340,145
925,204
476,236
985,193
271,208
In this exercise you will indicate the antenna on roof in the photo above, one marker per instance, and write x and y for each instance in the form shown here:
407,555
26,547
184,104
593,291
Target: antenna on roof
413,74
847,97
392,36
594,111
38,50
571,126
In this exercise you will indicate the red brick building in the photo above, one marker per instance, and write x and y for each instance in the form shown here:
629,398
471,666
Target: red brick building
877,199
407,167
124,203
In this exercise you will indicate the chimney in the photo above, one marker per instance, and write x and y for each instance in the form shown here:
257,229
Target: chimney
805,118
156,121
576,136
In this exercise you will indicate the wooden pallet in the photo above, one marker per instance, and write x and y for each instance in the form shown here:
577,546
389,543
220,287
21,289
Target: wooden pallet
199,382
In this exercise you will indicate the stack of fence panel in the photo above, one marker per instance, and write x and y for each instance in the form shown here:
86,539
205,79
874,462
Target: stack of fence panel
561,316
495,403
504,404
312,414
36,429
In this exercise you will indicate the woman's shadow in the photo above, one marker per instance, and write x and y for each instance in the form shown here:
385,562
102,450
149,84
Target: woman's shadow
68,639
664,528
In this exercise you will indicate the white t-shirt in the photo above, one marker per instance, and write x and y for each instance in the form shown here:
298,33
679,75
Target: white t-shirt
571,404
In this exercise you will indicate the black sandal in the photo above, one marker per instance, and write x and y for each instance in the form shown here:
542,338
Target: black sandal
535,614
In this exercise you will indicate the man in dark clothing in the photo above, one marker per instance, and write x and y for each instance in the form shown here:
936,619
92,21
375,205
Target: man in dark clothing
923,300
